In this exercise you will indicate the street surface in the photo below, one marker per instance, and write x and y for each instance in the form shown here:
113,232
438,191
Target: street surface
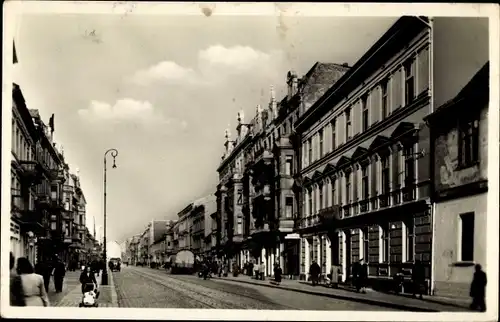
140,287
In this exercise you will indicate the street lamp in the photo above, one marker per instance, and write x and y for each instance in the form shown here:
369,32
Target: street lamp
114,154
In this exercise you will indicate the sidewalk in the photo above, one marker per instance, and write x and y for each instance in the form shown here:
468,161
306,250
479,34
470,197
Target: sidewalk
72,294
401,302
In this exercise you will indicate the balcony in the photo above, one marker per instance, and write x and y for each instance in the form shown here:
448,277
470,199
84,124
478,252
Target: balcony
329,214
57,174
286,225
363,206
68,189
31,171
409,193
33,221
43,199
383,200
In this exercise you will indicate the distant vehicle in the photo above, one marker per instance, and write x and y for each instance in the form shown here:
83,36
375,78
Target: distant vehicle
114,264
182,262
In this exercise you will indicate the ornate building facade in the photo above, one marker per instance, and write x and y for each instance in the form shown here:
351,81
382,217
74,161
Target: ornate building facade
364,173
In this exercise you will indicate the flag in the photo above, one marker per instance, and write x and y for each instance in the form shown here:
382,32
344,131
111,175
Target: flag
51,123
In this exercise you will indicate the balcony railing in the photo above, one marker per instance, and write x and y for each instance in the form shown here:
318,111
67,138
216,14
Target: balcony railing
409,193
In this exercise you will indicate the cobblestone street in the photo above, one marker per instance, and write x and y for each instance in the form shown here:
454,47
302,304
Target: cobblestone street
144,287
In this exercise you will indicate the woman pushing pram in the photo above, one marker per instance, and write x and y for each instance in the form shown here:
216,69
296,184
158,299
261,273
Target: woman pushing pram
90,289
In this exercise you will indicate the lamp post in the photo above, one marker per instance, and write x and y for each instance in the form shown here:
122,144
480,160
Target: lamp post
114,154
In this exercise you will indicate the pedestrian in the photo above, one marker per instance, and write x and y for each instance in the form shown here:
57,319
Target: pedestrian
334,276
87,277
32,284
46,272
277,273
478,289
314,271
59,273
262,271
363,276
16,286
418,279
356,268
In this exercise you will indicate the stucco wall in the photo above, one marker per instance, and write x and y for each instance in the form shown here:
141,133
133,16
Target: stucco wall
447,175
450,278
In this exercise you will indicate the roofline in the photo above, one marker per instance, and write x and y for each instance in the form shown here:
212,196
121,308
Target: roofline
400,26
235,152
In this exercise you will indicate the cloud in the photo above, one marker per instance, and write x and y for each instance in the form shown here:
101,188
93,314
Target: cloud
237,57
127,110
215,64
164,71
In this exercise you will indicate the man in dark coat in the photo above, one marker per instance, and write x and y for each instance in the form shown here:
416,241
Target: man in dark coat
87,277
59,273
277,273
478,289
418,279
362,276
45,269
314,270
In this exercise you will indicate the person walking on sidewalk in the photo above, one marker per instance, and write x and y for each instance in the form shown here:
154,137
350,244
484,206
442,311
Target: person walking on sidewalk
478,289
314,270
418,279
363,276
87,277
356,281
16,285
32,284
277,273
262,271
59,273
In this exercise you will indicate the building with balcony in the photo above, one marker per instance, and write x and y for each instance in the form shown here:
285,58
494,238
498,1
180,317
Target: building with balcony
133,249
154,234
459,132
256,199
364,170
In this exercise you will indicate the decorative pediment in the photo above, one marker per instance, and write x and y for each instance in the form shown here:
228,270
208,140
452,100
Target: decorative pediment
404,129
359,153
328,169
343,161
379,142
316,176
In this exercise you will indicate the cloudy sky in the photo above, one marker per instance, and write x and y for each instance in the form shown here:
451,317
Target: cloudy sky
162,90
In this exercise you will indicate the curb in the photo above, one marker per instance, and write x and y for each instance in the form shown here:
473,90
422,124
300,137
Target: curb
114,295
403,307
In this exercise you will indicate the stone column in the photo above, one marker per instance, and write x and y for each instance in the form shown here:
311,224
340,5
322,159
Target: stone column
263,256
282,259
328,254
344,256
307,259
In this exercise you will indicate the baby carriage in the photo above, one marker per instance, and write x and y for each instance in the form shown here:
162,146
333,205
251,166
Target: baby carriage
90,296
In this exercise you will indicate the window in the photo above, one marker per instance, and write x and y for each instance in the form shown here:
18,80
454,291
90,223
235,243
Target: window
364,103
410,240
467,237
364,182
385,243
320,134
289,207
366,244
348,124
468,148
385,104
289,165
409,81
409,166
320,191
334,196
310,150
334,137
386,185
348,188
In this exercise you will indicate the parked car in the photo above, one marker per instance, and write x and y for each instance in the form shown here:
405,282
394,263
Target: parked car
114,264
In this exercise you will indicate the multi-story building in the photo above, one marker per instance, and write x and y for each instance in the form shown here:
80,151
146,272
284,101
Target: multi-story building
214,234
134,250
26,222
256,195
49,200
364,173
171,239
197,230
460,165
154,234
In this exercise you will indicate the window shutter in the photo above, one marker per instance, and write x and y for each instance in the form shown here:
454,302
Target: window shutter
356,119
396,89
423,71
375,108
373,179
395,169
